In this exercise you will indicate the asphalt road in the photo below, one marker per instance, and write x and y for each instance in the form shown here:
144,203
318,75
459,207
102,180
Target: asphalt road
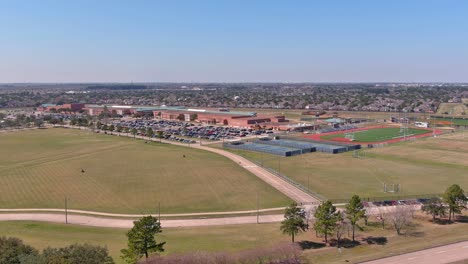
437,255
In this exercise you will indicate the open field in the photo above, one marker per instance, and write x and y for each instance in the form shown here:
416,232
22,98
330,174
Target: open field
424,166
39,168
422,234
239,237
455,109
378,134
219,238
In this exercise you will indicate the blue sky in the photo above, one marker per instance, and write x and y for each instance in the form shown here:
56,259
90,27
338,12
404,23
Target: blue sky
233,41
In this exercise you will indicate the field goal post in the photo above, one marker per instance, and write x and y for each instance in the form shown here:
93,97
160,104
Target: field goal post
391,187
350,136
359,154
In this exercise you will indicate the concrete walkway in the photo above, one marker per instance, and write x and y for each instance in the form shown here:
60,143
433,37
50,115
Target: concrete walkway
73,211
88,220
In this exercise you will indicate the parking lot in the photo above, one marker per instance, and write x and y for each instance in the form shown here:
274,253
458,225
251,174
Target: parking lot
396,202
184,131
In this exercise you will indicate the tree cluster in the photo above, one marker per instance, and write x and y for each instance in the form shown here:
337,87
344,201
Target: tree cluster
14,251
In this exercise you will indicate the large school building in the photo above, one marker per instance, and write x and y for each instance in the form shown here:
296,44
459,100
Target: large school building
206,116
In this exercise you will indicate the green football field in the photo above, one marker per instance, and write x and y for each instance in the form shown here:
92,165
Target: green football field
39,168
377,134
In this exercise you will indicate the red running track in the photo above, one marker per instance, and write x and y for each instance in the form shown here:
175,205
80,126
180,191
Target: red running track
394,140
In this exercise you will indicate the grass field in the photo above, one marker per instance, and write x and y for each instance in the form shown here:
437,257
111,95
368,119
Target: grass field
378,134
425,166
455,109
460,121
233,238
39,168
220,238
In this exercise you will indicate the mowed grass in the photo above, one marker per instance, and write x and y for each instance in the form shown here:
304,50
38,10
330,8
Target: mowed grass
232,238
425,166
219,238
378,134
39,168
459,121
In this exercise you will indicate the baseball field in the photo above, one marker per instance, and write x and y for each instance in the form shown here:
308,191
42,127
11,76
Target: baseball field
39,168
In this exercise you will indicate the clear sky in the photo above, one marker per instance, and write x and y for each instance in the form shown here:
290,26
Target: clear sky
233,41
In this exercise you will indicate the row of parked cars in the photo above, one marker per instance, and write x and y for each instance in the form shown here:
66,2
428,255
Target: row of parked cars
396,202
173,130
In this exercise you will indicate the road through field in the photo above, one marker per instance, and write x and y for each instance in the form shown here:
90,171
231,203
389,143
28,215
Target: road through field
88,220
437,255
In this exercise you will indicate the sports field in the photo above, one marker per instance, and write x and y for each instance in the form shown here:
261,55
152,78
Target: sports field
376,134
459,121
425,166
39,168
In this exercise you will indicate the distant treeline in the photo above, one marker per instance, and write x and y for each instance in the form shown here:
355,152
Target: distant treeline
117,87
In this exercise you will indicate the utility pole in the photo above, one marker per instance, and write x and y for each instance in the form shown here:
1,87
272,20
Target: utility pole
159,212
66,211
279,165
257,209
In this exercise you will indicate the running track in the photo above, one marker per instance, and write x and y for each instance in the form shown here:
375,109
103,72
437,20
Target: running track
395,140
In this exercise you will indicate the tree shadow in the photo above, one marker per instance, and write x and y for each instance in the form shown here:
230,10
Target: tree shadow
461,218
344,243
442,221
310,245
381,240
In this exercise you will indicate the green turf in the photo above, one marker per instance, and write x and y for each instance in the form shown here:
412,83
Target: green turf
39,168
219,238
378,134
456,120
425,166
